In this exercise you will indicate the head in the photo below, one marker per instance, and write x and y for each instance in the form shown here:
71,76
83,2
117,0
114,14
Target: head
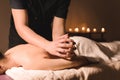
2,69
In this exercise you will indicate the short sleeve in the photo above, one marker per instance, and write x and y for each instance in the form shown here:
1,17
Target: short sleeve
18,4
62,10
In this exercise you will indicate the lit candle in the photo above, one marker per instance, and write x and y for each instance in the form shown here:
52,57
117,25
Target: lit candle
102,29
94,30
70,29
88,30
76,29
83,29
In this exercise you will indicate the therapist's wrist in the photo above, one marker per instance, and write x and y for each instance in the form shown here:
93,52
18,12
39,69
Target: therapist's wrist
46,45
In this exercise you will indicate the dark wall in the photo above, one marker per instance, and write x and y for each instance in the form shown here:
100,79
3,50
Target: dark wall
91,13
4,24
96,13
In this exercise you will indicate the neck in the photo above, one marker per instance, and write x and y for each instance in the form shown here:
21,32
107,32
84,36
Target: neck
8,63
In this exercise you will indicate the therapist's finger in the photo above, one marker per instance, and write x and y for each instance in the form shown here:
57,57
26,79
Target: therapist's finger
59,54
65,45
63,36
63,51
65,40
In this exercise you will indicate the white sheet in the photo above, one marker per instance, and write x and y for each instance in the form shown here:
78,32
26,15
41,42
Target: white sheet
91,72
108,68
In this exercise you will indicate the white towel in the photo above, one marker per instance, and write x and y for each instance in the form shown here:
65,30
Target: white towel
97,51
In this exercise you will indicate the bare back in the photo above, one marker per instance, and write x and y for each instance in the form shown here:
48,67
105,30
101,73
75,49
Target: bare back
32,57
27,55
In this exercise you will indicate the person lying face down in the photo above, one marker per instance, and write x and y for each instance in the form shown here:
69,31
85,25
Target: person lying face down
33,58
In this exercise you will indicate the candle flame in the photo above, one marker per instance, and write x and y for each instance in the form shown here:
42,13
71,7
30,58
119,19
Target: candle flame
76,29
70,29
102,29
94,30
88,30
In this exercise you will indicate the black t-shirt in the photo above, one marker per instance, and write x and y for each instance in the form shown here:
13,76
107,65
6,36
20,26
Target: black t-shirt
40,17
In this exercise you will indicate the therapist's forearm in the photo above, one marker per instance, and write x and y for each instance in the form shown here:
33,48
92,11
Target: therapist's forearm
20,17
31,37
58,27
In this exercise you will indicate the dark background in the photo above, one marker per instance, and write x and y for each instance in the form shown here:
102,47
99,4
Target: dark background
88,13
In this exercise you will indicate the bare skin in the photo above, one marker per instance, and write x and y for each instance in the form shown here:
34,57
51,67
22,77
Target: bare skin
32,57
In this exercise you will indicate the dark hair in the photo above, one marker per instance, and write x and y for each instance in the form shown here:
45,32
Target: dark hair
1,55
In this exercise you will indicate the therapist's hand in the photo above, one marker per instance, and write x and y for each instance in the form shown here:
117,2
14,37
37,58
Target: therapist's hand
60,47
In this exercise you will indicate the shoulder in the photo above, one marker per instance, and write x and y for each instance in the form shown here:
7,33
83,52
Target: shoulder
16,48
18,4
